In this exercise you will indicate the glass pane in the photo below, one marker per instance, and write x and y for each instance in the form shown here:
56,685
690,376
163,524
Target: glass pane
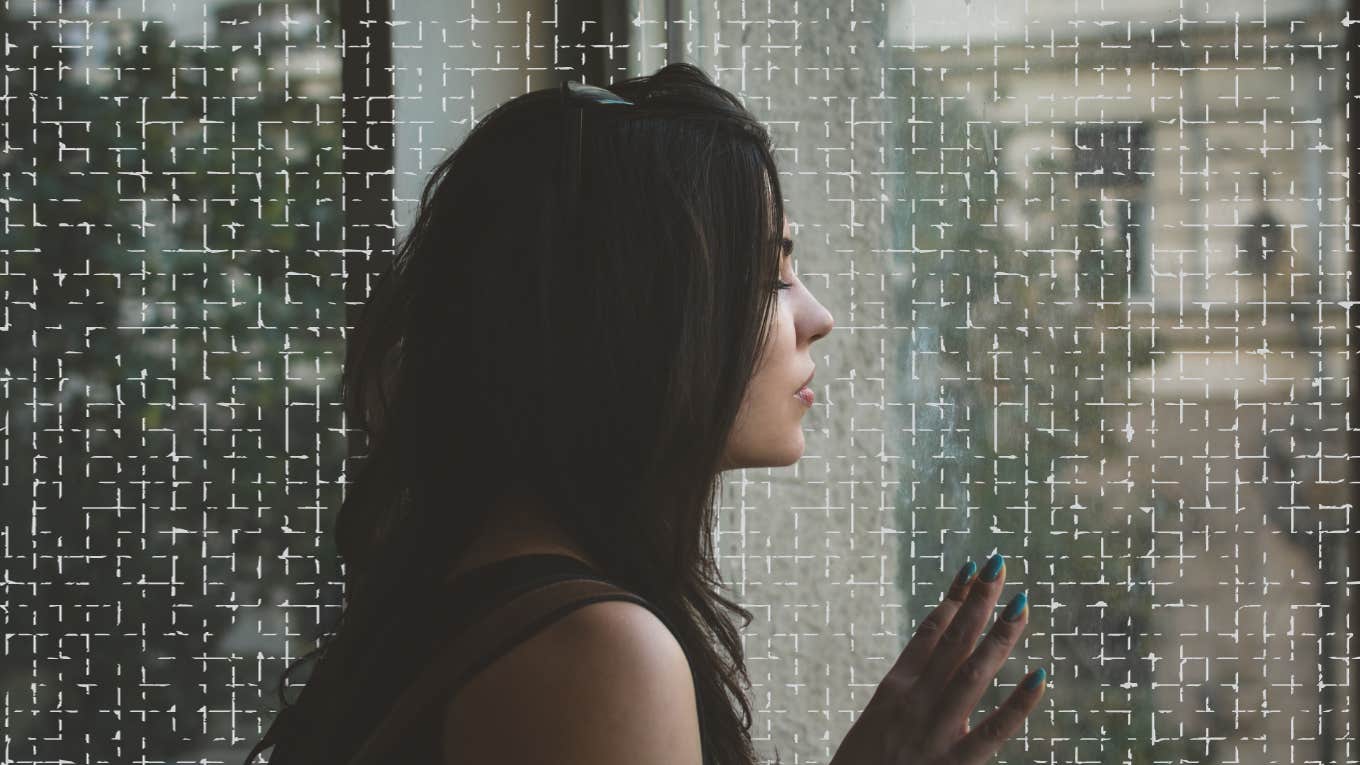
1089,268
171,347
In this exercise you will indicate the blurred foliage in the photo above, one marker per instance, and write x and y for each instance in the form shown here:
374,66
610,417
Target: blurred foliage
1015,370
169,360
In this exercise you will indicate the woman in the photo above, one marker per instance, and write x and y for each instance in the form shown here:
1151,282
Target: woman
594,314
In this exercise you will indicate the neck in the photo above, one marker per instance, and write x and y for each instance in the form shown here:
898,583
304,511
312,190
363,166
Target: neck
519,523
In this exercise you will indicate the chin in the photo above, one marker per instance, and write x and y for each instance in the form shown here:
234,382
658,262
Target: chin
785,455
788,456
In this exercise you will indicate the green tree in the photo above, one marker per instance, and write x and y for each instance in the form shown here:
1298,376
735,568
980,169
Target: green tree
170,357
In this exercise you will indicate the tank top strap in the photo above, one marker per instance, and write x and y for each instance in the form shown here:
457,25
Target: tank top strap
494,608
514,576
694,678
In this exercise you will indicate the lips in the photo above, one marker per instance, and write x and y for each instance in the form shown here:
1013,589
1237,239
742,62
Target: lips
807,381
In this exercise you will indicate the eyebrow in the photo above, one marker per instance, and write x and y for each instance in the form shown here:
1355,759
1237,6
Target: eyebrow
788,246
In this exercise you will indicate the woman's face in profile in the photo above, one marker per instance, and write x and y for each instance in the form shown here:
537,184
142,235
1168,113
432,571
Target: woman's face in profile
769,430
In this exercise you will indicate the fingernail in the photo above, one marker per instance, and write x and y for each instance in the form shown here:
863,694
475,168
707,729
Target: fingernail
1014,608
993,568
966,572
1035,678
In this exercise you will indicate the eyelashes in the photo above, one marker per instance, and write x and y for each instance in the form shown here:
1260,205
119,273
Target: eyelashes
780,284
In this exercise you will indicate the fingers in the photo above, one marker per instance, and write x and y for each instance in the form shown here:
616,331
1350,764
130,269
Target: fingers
911,662
983,742
956,642
960,696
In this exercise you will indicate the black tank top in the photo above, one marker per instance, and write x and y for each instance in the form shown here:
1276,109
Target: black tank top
475,592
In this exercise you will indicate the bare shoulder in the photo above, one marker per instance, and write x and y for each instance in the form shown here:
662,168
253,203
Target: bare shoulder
607,683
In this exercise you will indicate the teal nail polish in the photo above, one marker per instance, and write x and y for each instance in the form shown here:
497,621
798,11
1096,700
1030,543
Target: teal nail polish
993,568
1014,608
1035,678
966,572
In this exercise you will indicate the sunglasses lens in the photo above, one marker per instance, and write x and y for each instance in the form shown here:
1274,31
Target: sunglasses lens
595,94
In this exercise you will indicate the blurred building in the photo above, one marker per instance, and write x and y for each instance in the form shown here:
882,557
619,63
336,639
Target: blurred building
1209,149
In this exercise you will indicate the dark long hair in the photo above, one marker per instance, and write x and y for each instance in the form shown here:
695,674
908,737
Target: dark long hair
604,377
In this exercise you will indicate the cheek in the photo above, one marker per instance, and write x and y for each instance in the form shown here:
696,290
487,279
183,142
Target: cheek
783,335
788,346
779,343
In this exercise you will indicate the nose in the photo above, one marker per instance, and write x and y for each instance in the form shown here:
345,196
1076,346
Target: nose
821,324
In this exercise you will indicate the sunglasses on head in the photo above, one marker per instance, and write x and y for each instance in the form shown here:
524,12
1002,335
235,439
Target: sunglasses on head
576,96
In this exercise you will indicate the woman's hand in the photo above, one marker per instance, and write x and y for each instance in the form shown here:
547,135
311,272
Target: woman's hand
918,715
